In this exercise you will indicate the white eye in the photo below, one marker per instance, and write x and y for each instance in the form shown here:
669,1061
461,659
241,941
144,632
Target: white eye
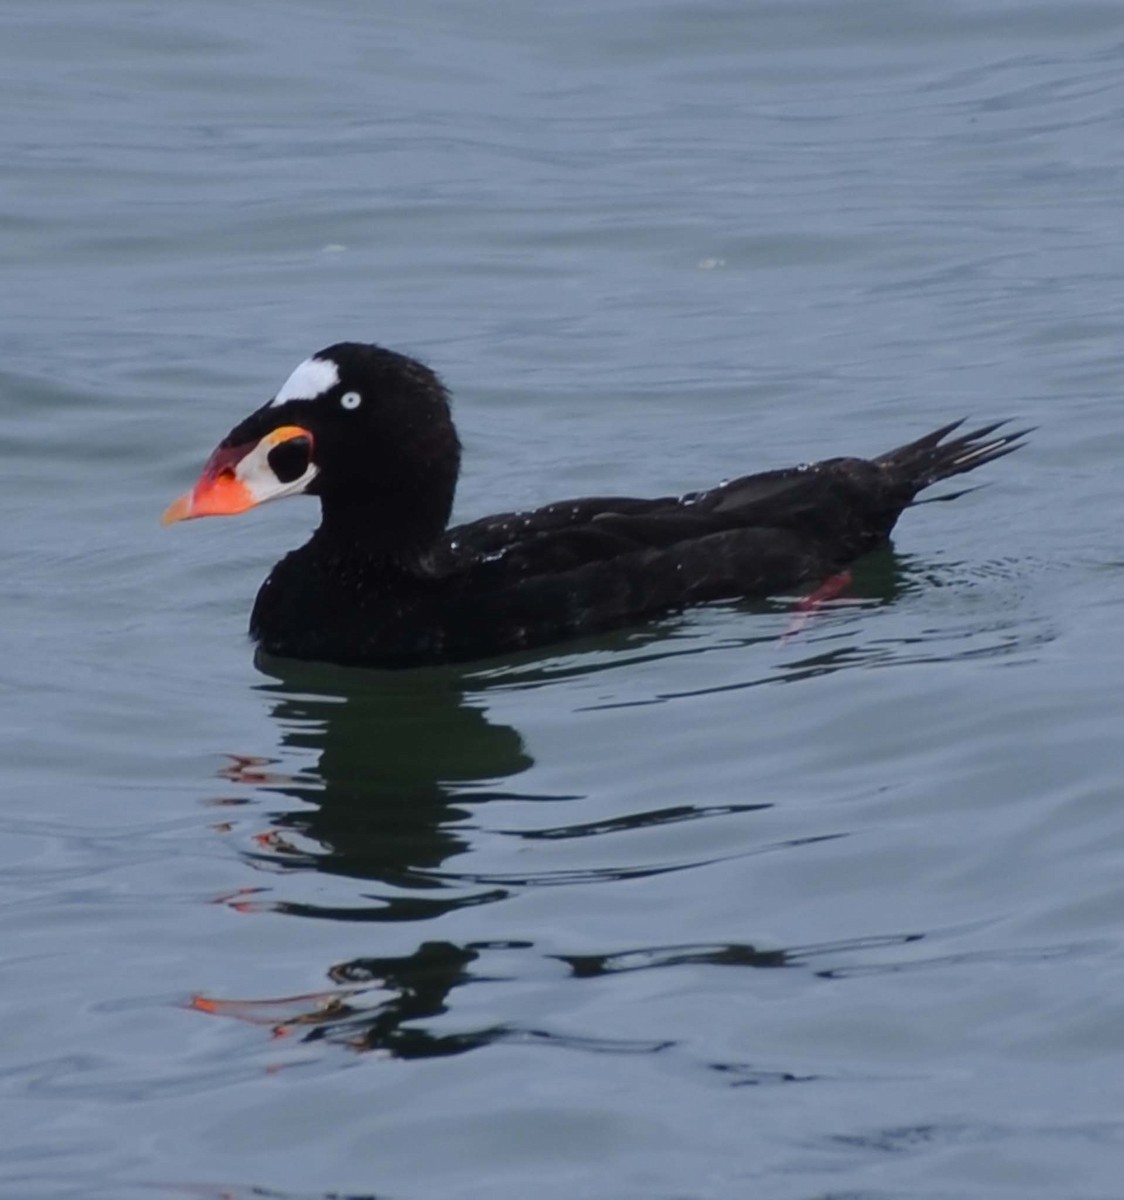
351,400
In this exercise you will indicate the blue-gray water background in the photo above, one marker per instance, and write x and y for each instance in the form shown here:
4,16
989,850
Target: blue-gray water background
703,911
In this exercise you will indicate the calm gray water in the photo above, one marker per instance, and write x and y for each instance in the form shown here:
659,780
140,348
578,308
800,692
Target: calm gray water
697,911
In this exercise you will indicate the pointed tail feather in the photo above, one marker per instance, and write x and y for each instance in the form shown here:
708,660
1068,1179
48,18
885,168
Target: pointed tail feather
930,459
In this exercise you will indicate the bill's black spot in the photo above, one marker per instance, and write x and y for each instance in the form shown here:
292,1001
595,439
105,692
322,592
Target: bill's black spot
290,459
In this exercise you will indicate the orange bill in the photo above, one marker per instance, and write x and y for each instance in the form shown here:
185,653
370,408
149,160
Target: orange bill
234,479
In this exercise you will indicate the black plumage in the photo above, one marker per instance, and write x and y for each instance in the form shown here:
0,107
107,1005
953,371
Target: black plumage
383,582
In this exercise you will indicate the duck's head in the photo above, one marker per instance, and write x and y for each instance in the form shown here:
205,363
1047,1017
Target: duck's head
366,430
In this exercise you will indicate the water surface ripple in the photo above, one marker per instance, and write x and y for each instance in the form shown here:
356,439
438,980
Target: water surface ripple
748,902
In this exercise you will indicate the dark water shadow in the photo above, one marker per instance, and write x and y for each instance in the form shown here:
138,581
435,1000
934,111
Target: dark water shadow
394,755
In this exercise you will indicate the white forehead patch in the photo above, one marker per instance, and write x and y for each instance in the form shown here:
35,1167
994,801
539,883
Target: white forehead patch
312,378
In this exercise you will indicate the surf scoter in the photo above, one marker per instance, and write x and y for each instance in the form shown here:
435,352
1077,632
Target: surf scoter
384,582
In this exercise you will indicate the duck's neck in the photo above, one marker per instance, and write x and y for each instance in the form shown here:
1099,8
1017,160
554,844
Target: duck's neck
372,536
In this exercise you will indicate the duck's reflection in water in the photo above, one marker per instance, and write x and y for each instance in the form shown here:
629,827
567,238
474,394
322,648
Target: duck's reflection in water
396,758
395,753
397,766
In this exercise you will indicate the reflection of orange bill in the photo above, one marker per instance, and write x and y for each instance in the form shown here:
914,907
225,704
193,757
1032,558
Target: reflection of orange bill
312,1008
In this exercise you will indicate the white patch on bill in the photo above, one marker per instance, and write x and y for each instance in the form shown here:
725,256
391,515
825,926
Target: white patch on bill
257,476
312,378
